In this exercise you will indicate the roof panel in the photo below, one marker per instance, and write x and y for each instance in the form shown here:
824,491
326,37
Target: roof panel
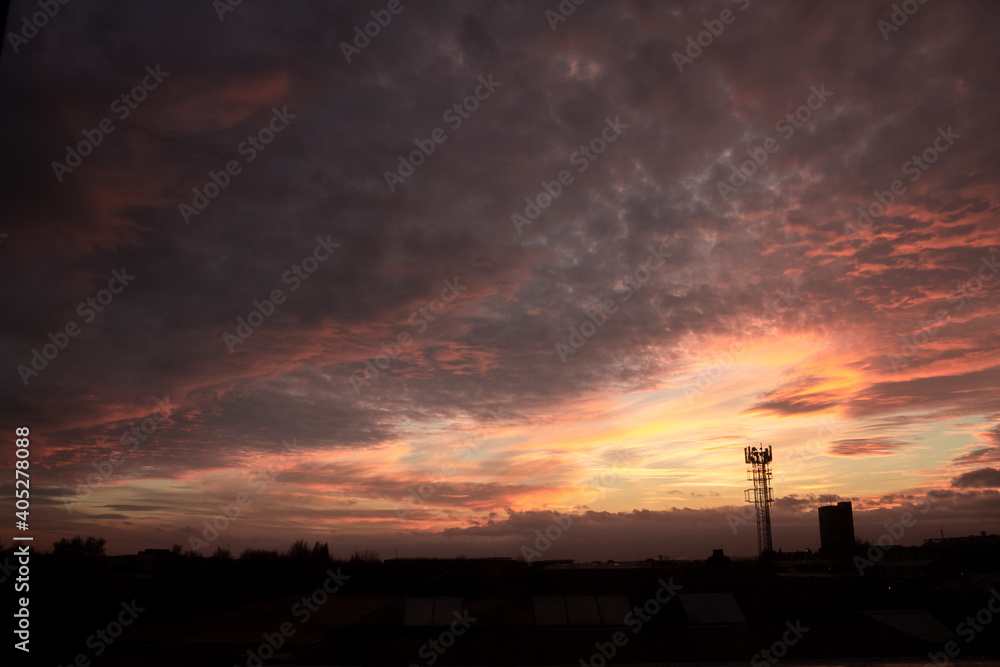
445,609
549,610
712,609
613,608
582,610
419,611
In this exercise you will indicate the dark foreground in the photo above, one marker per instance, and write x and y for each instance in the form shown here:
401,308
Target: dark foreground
934,604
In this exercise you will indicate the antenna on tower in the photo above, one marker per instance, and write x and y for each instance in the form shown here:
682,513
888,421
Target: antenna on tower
759,461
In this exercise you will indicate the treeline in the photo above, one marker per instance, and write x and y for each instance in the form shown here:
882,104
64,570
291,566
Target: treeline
94,547
299,551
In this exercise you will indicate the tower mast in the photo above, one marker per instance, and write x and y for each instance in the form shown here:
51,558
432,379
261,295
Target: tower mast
759,461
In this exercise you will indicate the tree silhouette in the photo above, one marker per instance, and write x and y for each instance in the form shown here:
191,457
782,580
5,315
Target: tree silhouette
78,548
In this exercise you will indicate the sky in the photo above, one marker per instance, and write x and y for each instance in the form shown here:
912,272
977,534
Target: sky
442,279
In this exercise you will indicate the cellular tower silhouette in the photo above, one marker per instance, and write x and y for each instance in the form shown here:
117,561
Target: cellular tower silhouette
759,461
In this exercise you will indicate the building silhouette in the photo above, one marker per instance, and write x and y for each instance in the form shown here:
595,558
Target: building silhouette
836,529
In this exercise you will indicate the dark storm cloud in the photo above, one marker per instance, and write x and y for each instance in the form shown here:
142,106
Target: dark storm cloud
323,175
984,478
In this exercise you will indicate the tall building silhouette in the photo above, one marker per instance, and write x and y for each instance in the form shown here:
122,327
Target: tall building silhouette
836,528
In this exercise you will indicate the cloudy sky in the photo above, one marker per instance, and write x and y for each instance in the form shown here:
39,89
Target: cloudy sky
424,287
